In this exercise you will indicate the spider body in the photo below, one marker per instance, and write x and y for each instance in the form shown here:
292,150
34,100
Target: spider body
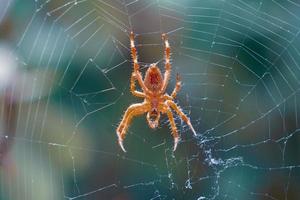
153,82
156,100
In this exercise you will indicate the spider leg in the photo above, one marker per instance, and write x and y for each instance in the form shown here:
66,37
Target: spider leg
181,114
177,86
136,67
133,89
167,97
132,111
173,126
167,63
175,91
151,123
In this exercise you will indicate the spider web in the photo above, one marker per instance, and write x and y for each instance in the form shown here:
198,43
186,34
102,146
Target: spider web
238,61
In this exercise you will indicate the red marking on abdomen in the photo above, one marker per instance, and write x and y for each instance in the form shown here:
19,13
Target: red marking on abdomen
154,79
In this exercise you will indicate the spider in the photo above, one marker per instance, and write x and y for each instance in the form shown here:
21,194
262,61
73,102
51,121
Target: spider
156,100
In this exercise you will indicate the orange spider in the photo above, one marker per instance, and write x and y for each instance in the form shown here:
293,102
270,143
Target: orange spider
156,100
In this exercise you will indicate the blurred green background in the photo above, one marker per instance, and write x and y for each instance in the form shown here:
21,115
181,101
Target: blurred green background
64,86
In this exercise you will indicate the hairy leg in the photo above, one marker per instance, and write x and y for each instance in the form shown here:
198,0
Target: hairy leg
136,67
167,63
177,87
181,114
133,89
167,97
173,126
132,111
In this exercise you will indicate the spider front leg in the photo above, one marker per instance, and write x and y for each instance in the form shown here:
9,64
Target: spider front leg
136,67
167,63
132,111
181,114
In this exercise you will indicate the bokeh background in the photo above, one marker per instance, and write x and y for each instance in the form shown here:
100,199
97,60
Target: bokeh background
64,86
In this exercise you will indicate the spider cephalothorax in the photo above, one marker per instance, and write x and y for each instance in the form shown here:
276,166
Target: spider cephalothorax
156,100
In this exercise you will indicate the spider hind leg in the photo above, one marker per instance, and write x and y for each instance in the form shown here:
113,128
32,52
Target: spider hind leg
181,114
173,127
132,111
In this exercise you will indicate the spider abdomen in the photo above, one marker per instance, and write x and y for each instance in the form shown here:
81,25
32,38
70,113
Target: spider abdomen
153,78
